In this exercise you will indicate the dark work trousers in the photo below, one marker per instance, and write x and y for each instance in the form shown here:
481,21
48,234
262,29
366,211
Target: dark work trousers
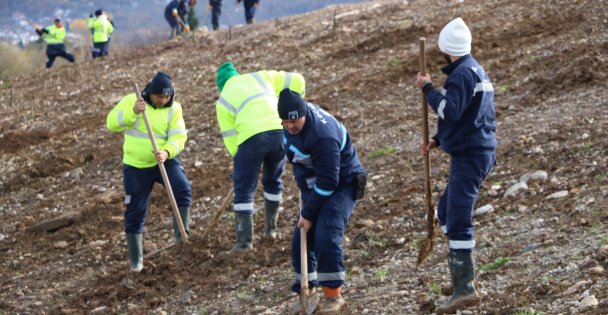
249,10
100,49
174,23
138,184
324,241
265,148
216,12
455,209
57,50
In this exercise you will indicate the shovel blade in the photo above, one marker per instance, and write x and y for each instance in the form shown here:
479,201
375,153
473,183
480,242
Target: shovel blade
309,302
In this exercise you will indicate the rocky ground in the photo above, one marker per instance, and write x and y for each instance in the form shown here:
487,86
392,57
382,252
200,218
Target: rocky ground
541,249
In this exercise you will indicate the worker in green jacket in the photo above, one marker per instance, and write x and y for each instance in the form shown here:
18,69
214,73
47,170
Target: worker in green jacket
102,30
53,35
140,161
252,132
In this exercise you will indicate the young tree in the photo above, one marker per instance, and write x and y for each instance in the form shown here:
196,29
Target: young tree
192,19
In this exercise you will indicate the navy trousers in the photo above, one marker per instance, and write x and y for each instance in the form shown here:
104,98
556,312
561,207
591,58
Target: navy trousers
264,149
174,23
249,10
324,241
57,50
216,12
455,209
100,49
138,184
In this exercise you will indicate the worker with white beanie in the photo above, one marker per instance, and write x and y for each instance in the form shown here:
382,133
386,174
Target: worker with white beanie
466,130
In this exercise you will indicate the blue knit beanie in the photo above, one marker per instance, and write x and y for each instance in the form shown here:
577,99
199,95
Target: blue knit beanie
161,84
291,105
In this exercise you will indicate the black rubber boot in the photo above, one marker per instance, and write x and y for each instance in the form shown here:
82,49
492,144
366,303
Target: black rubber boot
184,213
271,215
244,233
462,268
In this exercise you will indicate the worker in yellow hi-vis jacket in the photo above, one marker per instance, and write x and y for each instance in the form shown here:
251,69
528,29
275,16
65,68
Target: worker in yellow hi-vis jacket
140,161
252,132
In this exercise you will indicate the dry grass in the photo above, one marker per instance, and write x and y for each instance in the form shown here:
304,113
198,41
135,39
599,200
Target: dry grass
15,61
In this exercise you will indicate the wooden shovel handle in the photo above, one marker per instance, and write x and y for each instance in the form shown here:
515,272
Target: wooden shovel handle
425,139
217,215
303,262
303,255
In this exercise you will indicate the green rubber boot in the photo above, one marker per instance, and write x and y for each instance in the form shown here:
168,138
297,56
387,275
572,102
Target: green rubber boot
244,233
136,251
464,294
271,215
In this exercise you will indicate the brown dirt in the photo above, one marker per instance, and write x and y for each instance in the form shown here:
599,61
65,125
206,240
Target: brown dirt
548,65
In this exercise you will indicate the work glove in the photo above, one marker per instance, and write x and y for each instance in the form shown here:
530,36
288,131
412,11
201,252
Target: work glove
187,28
174,12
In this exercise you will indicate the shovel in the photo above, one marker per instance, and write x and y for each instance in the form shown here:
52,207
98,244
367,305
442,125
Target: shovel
309,301
428,244
163,172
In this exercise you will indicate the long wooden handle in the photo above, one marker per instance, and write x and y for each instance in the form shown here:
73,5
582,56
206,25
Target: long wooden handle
303,254
425,139
217,215
163,172
303,262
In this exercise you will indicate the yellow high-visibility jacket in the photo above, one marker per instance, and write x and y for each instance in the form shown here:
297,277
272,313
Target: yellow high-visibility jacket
167,124
101,27
248,104
55,35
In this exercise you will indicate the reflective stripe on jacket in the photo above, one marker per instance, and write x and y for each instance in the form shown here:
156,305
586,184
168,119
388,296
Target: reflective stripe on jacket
167,124
248,104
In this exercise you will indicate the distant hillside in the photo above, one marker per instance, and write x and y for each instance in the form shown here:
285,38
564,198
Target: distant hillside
135,18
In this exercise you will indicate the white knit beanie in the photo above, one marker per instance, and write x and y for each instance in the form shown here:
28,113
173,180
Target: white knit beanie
455,38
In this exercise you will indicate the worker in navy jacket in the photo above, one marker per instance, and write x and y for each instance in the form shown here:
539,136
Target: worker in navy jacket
176,14
327,171
467,132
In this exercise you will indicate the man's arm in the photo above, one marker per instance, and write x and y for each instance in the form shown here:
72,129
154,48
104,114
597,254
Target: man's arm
122,116
225,120
177,133
326,162
451,105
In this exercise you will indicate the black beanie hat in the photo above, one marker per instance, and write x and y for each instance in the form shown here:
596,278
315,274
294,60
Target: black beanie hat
291,105
161,84
98,12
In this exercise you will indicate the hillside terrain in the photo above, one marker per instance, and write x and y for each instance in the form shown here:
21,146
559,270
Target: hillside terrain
137,21
543,249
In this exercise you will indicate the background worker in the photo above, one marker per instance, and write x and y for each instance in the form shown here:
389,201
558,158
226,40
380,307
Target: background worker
250,126
467,132
54,35
102,30
250,8
140,162
176,14
330,178
215,6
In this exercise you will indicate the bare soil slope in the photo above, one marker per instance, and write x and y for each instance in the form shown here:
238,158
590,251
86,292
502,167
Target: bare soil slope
547,60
